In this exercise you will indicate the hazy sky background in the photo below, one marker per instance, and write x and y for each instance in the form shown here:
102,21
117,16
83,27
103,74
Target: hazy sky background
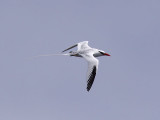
54,88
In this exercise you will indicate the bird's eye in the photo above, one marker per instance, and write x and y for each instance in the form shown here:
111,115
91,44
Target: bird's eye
101,52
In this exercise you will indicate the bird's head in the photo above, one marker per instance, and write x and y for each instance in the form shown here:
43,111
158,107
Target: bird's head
103,53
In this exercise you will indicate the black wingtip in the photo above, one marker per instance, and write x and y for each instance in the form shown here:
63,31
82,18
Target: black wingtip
91,79
88,89
69,48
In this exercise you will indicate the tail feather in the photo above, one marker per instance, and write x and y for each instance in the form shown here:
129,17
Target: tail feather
48,55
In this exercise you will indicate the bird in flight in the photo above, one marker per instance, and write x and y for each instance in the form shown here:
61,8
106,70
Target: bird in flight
89,54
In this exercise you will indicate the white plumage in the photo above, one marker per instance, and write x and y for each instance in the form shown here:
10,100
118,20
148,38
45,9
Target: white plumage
88,54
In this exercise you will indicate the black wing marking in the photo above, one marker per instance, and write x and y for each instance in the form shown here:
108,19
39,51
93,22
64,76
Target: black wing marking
91,78
69,48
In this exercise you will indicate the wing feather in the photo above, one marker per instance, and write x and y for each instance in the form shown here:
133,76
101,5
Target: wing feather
91,78
83,45
69,48
92,69
80,45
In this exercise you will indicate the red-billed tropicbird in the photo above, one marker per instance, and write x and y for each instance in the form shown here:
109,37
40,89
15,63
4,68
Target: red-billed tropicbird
89,54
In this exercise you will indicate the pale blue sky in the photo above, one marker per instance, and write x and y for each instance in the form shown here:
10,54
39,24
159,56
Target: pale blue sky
54,88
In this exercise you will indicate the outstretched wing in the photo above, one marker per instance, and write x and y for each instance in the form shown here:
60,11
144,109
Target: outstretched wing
92,69
83,45
80,45
70,47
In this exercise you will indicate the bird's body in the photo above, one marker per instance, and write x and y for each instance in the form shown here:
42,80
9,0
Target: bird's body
89,54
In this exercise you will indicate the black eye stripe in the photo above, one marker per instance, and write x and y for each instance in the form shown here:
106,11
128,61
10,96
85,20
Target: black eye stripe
101,52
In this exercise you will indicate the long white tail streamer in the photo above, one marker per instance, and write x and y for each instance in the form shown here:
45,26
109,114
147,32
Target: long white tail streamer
47,55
